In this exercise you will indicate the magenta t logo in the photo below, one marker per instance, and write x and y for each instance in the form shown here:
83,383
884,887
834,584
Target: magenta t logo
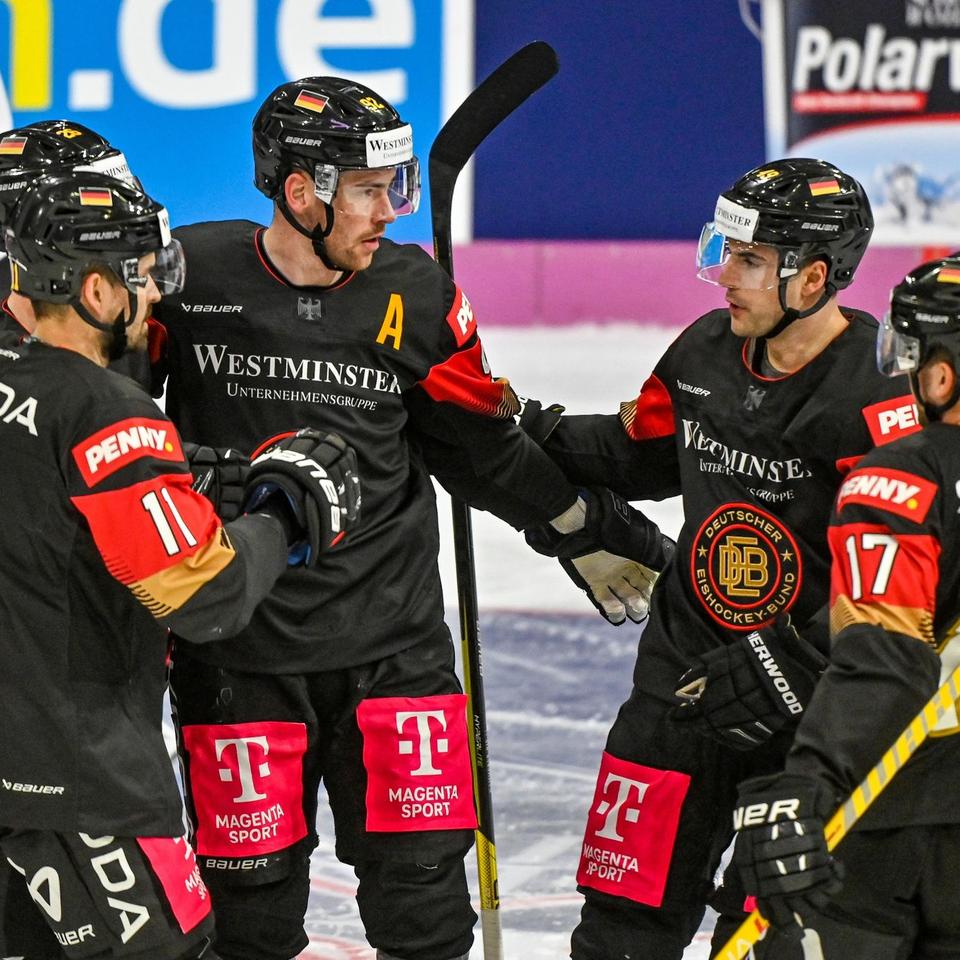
425,737
612,810
245,765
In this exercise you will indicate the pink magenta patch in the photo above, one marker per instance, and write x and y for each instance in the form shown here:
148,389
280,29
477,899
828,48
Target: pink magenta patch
631,828
175,866
246,780
417,759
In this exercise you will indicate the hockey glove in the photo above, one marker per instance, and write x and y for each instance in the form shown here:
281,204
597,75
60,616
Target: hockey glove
536,420
310,481
781,852
220,475
744,692
609,550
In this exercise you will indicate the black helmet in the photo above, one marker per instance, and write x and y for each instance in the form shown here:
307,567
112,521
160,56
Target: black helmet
326,124
924,316
808,208
51,147
64,225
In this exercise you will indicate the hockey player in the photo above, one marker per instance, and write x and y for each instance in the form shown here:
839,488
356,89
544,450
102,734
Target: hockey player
45,148
754,415
346,673
895,610
105,546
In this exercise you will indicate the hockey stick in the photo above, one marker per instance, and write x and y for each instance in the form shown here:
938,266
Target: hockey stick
483,110
838,826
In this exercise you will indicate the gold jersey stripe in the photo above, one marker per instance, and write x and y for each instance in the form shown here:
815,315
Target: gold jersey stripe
171,588
912,621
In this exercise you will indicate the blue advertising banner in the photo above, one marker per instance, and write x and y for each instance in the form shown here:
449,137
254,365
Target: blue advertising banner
175,83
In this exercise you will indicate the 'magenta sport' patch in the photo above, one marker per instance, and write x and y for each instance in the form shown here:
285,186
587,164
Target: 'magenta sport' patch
745,566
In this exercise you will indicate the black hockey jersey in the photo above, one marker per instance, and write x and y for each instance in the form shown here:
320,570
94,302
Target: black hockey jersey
758,462
895,618
389,357
104,546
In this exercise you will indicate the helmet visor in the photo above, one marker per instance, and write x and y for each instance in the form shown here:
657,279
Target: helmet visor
168,271
897,353
739,264
366,194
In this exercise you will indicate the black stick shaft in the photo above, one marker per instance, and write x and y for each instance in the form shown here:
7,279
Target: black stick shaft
489,105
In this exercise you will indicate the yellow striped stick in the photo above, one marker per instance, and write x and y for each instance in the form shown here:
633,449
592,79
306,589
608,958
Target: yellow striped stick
838,826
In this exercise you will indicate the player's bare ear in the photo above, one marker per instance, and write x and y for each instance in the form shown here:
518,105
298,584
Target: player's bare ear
937,379
297,189
94,290
813,276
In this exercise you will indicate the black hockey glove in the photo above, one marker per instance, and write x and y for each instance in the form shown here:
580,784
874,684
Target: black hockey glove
744,692
536,420
309,480
781,852
608,549
220,474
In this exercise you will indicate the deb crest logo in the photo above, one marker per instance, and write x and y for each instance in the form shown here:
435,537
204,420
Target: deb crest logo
176,83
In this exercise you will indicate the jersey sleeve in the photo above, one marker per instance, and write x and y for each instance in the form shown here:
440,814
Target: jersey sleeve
460,374
128,477
885,550
633,452
880,422
462,420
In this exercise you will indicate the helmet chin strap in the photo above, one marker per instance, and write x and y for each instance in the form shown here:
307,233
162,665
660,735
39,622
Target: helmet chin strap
117,328
791,313
316,236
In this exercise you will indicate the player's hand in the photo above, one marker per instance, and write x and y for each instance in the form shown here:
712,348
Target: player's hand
311,482
220,474
609,549
745,691
781,852
536,420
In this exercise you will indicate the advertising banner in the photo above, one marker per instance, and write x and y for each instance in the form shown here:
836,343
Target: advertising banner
875,89
175,83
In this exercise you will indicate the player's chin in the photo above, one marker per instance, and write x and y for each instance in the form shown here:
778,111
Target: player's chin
361,256
137,344
740,323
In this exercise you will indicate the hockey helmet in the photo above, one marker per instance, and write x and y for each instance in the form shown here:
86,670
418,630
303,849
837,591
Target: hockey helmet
324,125
924,317
65,225
807,209
49,148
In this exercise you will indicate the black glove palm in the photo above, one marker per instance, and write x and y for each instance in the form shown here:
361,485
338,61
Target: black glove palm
220,474
781,851
745,691
311,480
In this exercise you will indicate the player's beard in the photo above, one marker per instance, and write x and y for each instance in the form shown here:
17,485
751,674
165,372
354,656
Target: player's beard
115,339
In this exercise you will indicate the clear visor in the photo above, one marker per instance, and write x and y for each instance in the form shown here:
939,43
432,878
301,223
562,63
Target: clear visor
371,194
168,270
736,263
897,353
